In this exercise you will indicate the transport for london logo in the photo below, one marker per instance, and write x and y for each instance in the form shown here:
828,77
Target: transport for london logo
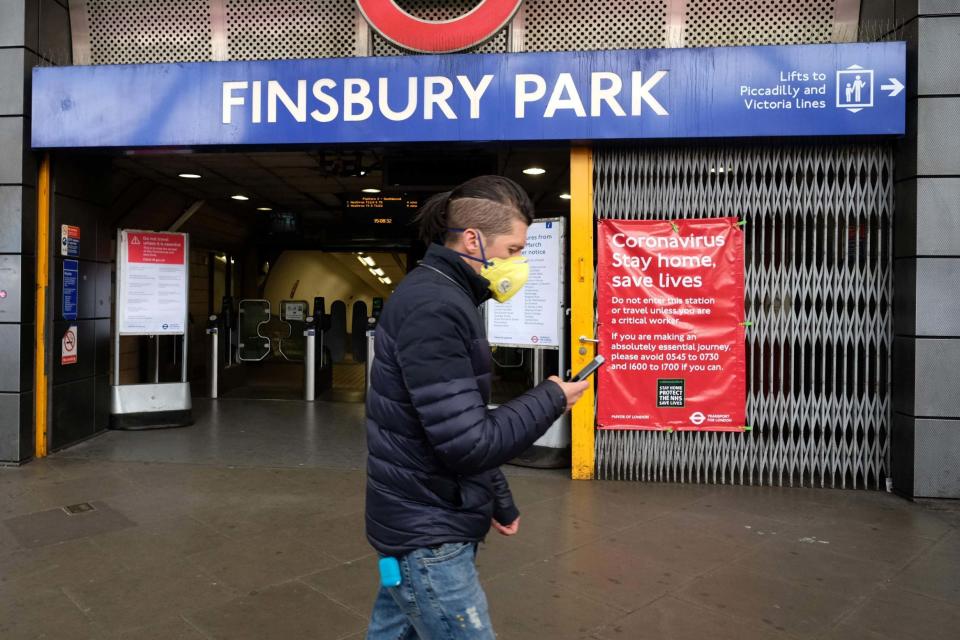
442,36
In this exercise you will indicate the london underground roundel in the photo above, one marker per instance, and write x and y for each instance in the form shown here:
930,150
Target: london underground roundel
442,36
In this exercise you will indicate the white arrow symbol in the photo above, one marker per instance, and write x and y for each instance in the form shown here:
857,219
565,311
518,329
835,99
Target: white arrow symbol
894,88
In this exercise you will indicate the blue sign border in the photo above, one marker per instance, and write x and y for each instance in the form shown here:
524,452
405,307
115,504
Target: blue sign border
736,92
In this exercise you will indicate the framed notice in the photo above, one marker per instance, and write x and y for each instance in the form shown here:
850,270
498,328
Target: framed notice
670,302
152,283
534,316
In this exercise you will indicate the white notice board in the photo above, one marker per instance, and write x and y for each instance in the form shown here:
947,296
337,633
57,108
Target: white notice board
534,316
152,283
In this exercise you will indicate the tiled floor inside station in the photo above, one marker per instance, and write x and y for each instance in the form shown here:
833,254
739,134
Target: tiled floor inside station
249,525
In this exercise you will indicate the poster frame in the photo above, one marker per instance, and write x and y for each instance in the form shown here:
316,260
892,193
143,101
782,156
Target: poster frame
561,297
121,277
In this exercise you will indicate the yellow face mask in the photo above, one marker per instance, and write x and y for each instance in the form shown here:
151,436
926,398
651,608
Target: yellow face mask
506,275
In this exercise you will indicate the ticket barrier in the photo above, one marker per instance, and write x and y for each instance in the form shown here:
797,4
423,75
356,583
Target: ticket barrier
371,336
323,361
295,314
300,340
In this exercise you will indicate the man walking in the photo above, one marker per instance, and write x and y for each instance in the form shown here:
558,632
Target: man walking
434,487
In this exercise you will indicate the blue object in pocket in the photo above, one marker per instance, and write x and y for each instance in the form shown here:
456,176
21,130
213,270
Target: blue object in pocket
390,572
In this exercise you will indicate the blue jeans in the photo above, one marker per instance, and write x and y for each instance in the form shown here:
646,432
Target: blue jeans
440,598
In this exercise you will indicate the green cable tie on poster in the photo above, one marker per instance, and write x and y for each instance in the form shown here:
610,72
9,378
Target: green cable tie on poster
742,223
747,428
748,323
676,229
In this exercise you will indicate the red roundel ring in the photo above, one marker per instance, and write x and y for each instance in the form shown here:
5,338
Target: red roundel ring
426,36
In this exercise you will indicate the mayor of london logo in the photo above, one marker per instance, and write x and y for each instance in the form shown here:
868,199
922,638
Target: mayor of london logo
438,36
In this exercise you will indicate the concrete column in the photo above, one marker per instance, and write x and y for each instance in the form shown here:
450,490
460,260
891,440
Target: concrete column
926,359
37,32
19,46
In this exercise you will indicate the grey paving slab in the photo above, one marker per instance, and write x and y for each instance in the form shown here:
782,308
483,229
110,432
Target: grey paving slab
815,566
936,574
351,584
610,575
51,568
896,614
671,619
524,606
140,596
261,561
57,525
174,629
778,603
246,433
49,614
160,543
290,611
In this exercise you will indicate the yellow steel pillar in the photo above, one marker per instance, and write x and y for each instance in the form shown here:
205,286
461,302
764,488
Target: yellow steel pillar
43,281
582,306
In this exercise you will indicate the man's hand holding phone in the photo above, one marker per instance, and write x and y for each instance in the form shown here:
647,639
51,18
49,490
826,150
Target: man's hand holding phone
575,388
572,390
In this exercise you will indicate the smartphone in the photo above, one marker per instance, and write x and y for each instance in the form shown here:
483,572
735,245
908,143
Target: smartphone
390,572
588,370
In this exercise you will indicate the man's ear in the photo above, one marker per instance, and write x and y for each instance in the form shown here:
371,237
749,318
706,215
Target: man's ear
471,240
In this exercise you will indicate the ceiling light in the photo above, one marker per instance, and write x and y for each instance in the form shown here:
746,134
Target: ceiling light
378,272
534,171
264,209
382,280
387,281
370,262
362,260
189,176
363,173
239,197
565,196
371,190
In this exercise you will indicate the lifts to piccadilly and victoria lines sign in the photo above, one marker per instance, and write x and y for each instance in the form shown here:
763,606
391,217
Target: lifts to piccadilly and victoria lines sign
798,90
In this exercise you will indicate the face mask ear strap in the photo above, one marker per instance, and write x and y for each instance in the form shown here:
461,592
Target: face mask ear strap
483,254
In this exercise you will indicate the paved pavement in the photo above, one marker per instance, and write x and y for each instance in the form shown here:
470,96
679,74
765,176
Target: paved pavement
249,525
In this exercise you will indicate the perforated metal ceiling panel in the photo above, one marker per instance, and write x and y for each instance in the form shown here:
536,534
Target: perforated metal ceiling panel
710,23
439,10
285,29
818,293
581,25
132,31
135,31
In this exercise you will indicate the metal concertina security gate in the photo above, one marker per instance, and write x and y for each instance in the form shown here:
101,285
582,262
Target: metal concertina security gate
818,244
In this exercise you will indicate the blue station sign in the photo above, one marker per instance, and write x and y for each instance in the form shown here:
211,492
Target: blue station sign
802,90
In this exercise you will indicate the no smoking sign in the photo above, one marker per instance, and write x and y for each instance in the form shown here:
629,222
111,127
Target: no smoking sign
68,349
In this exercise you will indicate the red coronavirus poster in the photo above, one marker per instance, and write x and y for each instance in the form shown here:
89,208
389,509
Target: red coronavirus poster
671,325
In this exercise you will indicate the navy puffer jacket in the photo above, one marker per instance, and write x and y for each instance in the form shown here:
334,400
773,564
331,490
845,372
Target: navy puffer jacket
434,447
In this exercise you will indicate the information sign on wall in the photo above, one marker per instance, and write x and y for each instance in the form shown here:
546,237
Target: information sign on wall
152,282
69,240
671,325
533,317
69,346
71,281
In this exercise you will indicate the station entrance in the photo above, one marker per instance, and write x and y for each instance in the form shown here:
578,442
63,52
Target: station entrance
293,255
